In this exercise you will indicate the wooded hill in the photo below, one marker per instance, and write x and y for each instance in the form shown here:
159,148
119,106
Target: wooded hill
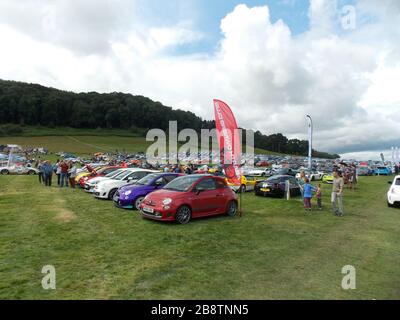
35,105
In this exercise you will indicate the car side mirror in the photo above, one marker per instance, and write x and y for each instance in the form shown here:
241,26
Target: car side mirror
198,190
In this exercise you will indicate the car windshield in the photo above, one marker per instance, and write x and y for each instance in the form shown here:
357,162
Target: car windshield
273,179
147,179
181,184
121,176
101,169
397,183
113,174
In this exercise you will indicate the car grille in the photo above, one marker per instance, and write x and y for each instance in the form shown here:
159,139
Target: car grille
149,203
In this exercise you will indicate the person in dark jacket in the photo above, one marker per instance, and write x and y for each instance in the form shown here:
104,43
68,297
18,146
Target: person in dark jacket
48,173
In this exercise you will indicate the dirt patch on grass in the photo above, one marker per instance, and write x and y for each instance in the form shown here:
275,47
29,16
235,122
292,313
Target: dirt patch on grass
65,215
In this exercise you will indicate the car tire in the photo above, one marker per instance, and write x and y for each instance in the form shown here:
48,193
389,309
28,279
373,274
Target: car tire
5,171
111,193
183,215
232,208
390,205
263,175
31,172
136,204
242,189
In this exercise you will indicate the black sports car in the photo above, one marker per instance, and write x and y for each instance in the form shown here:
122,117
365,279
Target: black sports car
276,186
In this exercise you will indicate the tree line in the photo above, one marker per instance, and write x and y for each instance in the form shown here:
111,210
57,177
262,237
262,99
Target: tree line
32,104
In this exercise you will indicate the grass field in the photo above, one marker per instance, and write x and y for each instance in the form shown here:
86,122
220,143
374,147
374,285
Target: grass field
84,142
275,251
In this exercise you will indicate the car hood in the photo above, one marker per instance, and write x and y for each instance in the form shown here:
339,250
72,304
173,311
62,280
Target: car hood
111,183
136,188
162,194
98,179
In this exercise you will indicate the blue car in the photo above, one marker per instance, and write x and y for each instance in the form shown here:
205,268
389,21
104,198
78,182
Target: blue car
131,196
383,171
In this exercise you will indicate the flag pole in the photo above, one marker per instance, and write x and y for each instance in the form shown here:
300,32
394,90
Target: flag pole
240,202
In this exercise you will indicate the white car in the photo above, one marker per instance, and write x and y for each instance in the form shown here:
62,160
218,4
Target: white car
90,184
393,195
260,172
107,188
18,170
313,176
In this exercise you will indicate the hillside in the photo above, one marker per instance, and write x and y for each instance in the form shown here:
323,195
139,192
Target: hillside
84,141
32,105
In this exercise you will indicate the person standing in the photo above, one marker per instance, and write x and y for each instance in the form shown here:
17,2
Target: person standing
337,194
58,172
48,173
64,174
307,195
72,174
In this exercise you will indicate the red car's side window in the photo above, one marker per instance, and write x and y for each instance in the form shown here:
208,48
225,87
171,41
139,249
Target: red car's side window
220,184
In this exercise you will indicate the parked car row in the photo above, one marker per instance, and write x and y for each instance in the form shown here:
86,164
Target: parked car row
163,196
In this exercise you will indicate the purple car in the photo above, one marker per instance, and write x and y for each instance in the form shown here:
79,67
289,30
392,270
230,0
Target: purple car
130,196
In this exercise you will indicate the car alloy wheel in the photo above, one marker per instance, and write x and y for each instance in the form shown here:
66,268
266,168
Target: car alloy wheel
4,171
243,189
183,215
31,172
138,201
232,208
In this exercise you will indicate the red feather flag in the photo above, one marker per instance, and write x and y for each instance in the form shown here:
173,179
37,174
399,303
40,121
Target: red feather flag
229,141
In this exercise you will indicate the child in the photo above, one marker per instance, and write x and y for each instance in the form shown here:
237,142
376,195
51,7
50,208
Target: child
319,197
308,189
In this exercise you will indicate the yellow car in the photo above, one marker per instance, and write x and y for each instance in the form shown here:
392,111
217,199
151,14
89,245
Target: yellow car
328,178
86,173
247,184
81,175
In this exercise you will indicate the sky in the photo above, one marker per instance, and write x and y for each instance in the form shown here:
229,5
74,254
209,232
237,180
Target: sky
272,61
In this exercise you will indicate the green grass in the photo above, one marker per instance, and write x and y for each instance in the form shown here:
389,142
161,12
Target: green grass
81,144
85,141
275,251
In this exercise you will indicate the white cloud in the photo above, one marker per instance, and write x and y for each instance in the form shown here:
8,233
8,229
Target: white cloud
345,79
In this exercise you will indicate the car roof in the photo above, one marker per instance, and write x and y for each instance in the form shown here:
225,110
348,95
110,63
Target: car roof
139,169
281,176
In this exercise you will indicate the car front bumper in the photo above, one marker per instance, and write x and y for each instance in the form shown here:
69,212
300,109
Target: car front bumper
101,194
393,198
159,214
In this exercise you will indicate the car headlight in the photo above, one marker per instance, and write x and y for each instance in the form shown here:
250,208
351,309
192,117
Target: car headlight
265,185
167,201
127,193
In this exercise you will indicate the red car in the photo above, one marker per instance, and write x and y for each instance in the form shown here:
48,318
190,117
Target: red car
98,173
188,197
